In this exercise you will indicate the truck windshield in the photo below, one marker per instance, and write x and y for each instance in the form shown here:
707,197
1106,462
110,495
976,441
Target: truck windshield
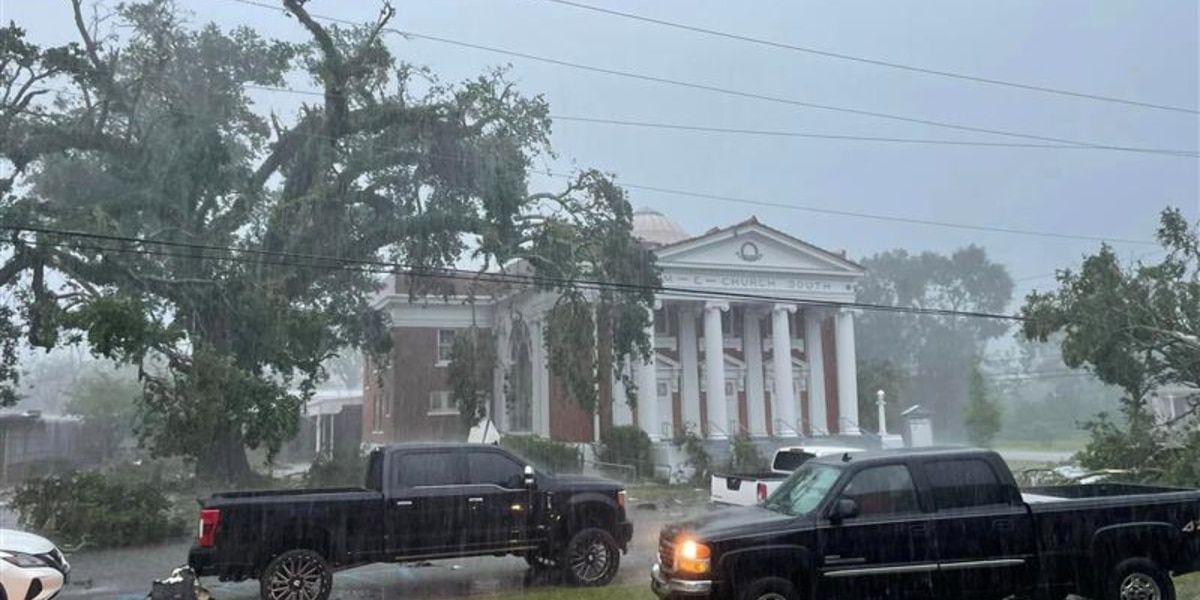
803,490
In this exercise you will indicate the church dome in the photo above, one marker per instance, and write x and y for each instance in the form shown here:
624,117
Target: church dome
651,227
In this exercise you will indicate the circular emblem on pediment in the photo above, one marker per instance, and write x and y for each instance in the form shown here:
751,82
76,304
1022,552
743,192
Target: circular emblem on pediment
749,252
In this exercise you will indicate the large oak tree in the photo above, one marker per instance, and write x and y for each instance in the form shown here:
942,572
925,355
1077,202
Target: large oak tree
152,134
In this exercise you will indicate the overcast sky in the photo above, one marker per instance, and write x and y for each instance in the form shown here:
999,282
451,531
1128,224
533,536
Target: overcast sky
1139,50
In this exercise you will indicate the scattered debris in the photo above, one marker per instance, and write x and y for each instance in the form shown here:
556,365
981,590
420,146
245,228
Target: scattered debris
182,584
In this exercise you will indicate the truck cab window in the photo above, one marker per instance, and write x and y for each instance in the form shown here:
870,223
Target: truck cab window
375,471
493,468
965,483
886,490
790,461
425,469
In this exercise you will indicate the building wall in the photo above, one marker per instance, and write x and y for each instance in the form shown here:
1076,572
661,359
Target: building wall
414,374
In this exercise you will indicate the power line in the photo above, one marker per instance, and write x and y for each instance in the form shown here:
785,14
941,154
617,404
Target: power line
797,134
752,201
418,271
859,138
876,62
694,85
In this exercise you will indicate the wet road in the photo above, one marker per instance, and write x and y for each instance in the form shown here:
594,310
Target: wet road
126,574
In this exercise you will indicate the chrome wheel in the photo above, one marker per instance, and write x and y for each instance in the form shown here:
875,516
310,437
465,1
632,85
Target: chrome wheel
772,596
297,575
1140,586
589,559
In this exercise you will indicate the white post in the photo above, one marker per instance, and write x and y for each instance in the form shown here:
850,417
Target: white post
881,404
647,389
784,408
690,363
847,374
756,410
714,366
814,351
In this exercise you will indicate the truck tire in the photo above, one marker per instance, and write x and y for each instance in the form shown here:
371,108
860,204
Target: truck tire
770,588
591,558
1139,579
296,575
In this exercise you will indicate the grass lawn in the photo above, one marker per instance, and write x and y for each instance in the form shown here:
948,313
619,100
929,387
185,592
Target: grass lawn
1063,444
621,591
1188,587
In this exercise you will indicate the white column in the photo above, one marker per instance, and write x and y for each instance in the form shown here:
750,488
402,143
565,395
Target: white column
647,389
541,381
814,351
690,363
622,415
847,374
499,410
784,407
756,412
714,367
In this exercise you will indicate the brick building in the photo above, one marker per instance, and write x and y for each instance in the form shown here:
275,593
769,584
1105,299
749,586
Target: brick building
723,341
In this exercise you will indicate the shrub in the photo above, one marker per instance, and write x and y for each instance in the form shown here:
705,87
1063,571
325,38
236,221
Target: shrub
744,456
85,508
698,457
545,454
628,445
340,471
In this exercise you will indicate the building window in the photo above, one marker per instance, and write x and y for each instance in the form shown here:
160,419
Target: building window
663,389
445,346
442,403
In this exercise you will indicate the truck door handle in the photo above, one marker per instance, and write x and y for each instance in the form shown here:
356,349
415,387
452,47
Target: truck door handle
474,500
404,503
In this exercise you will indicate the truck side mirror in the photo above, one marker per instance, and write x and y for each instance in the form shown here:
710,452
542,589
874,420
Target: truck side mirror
528,479
843,509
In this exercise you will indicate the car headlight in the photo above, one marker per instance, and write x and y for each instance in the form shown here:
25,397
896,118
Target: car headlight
21,559
692,557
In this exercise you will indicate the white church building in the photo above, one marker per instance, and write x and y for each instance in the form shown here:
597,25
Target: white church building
746,311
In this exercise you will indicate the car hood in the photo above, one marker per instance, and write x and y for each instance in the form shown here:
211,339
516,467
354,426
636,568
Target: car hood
729,522
12,540
585,483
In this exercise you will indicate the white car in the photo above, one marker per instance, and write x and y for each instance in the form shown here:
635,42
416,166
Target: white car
31,567
748,489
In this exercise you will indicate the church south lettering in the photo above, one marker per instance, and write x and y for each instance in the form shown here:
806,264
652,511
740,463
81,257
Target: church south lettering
748,282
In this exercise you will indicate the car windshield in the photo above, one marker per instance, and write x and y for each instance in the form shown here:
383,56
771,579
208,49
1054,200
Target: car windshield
802,492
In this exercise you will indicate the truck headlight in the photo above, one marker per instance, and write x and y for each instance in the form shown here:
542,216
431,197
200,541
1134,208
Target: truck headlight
23,560
692,557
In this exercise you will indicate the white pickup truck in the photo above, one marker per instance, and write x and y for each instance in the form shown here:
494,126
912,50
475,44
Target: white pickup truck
748,489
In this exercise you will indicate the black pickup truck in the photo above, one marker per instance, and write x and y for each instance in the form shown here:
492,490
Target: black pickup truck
933,524
420,502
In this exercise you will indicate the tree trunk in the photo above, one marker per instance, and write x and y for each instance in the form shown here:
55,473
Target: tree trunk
224,459
604,366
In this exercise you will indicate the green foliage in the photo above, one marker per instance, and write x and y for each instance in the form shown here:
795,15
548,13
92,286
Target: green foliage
934,352
628,445
698,458
106,400
339,471
95,510
1137,328
472,364
982,417
548,455
745,456
154,136
571,349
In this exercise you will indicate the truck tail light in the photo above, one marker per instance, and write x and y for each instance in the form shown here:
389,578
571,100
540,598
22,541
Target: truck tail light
762,492
209,519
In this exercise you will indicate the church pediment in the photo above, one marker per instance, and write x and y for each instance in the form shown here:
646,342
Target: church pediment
751,246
